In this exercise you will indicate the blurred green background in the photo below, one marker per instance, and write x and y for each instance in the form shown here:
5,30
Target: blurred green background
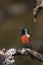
18,13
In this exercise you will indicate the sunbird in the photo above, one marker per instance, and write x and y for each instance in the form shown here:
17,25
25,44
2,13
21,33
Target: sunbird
25,37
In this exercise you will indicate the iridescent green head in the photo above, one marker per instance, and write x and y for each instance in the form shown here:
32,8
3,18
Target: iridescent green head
24,31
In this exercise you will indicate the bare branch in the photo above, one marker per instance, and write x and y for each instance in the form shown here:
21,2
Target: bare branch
8,56
32,53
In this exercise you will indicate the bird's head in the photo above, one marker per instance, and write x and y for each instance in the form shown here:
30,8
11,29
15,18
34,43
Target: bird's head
24,31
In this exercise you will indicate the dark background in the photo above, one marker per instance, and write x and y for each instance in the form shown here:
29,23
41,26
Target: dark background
18,13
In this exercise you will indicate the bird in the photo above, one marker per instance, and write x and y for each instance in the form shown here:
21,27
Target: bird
26,37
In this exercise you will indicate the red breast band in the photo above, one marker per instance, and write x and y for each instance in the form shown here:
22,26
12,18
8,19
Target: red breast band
24,38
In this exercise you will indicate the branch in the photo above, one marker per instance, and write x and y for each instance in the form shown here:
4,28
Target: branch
32,53
8,55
